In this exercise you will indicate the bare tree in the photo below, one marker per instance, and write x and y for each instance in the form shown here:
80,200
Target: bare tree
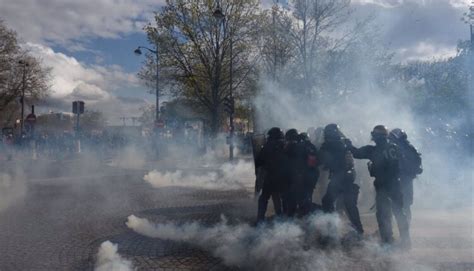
276,48
314,26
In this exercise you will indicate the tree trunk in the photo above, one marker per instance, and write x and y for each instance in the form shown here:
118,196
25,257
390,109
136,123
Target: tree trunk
214,122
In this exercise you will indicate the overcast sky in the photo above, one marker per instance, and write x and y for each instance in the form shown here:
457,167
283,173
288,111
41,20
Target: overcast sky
89,43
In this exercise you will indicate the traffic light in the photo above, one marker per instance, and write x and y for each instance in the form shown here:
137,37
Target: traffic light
229,105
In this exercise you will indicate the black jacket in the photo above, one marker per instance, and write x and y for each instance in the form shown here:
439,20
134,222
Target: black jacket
333,156
274,161
410,160
384,160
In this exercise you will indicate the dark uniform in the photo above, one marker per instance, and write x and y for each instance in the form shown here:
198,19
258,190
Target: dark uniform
384,166
311,173
296,154
273,161
336,157
410,167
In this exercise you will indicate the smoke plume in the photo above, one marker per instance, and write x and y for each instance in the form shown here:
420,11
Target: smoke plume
130,157
12,188
229,176
108,259
309,244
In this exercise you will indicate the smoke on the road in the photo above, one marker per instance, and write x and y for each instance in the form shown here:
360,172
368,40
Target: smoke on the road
108,259
130,157
286,245
12,188
229,176
447,178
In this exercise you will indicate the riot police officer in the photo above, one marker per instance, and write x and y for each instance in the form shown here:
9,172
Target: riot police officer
311,173
384,166
336,157
410,166
272,159
295,153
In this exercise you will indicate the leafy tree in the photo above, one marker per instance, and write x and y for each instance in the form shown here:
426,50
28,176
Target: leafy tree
195,48
14,64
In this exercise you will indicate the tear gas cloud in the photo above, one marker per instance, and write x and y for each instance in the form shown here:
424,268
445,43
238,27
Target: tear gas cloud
286,245
448,169
229,176
108,259
130,157
12,188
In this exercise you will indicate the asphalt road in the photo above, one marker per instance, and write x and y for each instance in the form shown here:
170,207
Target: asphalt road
63,213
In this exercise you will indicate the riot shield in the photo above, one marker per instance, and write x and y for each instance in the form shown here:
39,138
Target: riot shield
257,144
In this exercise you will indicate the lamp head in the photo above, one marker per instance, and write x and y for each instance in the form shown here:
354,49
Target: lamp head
218,14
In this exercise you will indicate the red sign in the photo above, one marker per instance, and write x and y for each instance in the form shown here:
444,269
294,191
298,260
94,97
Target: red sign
159,123
31,118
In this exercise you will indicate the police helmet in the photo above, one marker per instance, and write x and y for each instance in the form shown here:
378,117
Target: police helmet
379,132
398,134
291,135
304,137
332,131
275,133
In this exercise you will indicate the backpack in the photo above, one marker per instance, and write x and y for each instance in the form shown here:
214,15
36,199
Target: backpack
410,163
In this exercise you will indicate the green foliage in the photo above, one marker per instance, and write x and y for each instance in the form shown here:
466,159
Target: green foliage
440,87
14,76
195,48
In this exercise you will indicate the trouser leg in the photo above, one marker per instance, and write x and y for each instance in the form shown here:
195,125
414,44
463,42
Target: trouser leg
284,202
277,204
262,205
295,193
307,200
330,197
384,215
407,192
291,205
399,213
350,201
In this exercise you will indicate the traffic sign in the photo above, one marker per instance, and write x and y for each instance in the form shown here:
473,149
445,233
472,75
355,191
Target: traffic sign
31,118
78,107
160,123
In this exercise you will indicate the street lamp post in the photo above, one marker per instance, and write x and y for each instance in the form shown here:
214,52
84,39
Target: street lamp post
220,16
23,88
138,51
468,17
